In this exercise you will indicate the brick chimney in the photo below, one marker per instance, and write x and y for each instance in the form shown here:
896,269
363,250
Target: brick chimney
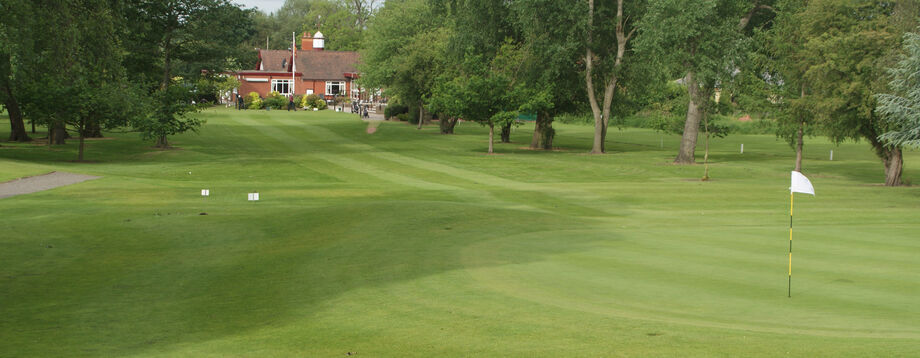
306,42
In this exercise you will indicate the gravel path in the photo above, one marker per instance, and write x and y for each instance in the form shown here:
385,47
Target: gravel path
41,182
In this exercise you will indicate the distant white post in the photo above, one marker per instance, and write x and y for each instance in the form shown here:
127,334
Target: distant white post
832,154
742,148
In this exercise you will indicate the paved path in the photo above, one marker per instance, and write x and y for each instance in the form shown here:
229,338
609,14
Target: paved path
41,182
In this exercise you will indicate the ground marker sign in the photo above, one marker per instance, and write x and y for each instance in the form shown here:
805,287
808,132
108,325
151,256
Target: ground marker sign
253,196
205,192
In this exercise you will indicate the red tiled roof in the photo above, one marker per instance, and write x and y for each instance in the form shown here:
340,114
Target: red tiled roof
275,60
314,65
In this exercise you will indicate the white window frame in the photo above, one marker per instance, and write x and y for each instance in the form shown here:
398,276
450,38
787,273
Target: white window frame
329,85
278,85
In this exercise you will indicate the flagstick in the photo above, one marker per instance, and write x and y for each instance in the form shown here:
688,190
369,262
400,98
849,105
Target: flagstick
791,203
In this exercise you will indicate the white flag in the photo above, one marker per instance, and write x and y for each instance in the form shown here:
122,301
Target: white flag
800,184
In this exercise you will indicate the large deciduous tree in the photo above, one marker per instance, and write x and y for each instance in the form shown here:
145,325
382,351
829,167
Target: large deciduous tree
852,43
172,42
16,20
699,41
483,90
610,27
550,74
405,51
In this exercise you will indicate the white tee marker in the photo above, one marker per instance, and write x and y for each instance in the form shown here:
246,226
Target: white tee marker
253,196
205,192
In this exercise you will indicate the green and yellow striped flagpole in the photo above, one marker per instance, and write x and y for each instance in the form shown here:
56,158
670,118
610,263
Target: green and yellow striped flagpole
791,203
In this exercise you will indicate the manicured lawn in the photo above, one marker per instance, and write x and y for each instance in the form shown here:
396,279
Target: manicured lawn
407,243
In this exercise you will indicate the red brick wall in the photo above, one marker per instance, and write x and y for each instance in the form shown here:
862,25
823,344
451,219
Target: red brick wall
261,87
301,87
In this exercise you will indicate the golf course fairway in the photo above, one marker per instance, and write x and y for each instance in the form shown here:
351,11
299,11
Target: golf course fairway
400,242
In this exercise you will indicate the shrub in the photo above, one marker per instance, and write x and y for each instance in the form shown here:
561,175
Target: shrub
320,104
394,110
313,101
253,101
403,117
275,101
306,101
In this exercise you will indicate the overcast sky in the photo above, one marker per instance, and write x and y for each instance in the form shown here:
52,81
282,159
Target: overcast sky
266,6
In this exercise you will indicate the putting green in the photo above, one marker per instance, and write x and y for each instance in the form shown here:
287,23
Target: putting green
689,280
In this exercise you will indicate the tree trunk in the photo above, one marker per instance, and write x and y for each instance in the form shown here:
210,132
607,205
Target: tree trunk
421,114
57,133
706,152
17,126
548,132
799,143
446,124
692,124
162,142
506,133
93,130
80,152
893,166
537,133
589,82
891,158
597,146
602,116
604,134
491,136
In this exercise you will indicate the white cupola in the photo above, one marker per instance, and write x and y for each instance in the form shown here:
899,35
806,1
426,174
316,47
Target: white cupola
319,41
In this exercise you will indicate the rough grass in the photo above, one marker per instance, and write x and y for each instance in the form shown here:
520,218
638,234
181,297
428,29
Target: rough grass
408,243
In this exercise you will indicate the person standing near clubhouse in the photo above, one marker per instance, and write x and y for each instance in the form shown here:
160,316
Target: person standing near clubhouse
291,103
239,102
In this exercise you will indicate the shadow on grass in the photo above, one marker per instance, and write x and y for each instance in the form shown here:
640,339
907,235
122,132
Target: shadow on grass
187,279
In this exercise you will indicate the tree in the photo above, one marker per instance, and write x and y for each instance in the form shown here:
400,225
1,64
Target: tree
342,21
852,43
774,75
171,44
78,80
604,60
481,96
273,30
484,50
15,39
698,40
483,91
340,26
405,52
902,105
550,72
